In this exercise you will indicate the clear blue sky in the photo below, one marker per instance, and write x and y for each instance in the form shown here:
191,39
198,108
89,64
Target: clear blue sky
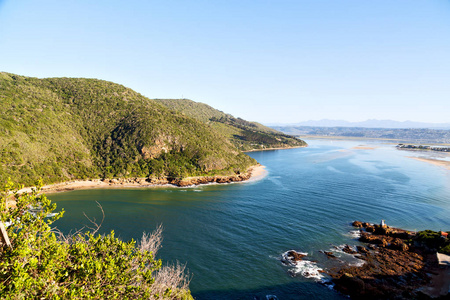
266,61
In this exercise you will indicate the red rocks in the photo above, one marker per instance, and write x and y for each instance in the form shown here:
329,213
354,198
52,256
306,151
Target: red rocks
370,228
348,249
209,179
382,230
329,254
386,274
357,224
398,244
367,226
179,182
391,270
294,255
362,249
374,239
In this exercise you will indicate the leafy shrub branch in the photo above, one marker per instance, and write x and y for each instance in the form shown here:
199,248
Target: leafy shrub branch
42,263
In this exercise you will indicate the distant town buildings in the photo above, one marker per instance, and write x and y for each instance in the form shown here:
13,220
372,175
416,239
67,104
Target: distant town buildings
408,135
424,147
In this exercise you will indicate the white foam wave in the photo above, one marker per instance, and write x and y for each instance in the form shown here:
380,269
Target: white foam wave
338,249
354,234
357,263
347,257
285,258
307,269
333,251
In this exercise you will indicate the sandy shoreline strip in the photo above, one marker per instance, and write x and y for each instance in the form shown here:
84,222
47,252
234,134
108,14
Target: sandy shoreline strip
436,162
256,172
269,149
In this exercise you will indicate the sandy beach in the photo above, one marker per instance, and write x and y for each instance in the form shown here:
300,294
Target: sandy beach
253,173
269,149
436,162
257,173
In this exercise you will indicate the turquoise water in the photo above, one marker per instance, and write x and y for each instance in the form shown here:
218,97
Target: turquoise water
232,236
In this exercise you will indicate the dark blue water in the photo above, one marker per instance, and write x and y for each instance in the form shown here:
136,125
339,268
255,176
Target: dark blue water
232,236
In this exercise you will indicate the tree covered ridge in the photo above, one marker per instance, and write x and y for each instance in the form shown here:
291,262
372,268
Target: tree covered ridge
75,128
243,134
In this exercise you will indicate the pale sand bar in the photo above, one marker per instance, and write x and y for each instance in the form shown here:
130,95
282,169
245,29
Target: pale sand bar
436,162
362,147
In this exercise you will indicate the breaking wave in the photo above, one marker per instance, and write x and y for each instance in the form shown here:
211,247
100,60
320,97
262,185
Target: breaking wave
305,268
354,234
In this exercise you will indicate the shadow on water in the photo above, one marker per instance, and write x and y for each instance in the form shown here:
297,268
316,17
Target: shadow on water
290,291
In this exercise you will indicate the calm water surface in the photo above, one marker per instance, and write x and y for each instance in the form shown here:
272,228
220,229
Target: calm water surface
232,236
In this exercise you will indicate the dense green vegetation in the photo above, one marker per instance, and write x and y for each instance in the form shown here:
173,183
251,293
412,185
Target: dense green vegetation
433,240
243,134
74,128
40,264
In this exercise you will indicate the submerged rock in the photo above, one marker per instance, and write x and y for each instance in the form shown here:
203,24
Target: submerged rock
329,254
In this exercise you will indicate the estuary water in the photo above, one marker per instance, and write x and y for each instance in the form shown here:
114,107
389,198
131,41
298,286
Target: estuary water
232,237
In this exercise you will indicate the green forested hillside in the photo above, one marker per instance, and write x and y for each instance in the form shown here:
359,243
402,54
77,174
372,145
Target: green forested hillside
243,134
75,128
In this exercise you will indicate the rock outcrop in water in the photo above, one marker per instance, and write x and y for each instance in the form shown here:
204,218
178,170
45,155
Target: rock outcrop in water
294,256
394,268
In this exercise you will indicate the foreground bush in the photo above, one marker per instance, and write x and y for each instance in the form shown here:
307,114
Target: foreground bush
44,264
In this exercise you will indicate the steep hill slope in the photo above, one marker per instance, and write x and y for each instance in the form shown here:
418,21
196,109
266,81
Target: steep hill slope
243,134
75,128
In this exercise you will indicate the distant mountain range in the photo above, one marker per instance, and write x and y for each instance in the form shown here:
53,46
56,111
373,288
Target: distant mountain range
372,123
400,135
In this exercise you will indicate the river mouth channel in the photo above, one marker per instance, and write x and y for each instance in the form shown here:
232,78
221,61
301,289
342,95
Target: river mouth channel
232,237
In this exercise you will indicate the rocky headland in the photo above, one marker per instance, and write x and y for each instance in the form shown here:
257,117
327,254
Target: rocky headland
183,182
396,266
